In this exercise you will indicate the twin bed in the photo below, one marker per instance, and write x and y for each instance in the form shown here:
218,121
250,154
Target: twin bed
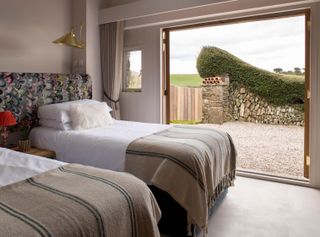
188,169
42,197
193,165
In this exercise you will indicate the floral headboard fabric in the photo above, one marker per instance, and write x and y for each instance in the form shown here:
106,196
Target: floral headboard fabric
23,93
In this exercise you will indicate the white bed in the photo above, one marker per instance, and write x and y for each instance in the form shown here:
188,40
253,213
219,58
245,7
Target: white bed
32,186
17,166
90,146
155,153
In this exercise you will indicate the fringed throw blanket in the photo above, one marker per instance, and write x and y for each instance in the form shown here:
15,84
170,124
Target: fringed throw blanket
76,200
193,164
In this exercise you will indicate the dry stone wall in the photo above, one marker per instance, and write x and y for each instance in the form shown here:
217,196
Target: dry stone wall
222,103
245,106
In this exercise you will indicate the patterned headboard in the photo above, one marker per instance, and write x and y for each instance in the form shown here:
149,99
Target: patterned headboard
23,93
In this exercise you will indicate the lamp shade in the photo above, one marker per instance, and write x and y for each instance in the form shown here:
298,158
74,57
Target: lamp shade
70,39
7,119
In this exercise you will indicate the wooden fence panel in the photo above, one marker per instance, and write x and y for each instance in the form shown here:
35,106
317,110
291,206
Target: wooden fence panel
185,103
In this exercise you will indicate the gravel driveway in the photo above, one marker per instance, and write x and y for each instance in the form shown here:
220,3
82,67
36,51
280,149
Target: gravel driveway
275,149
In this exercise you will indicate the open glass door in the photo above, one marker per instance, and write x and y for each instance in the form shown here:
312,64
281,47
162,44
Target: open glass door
165,76
307,96
181,83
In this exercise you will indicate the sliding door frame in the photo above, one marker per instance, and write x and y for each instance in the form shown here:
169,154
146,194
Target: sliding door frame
282,14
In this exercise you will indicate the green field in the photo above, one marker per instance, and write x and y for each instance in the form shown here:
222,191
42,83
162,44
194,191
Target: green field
185,80
194,80
292,77
188,122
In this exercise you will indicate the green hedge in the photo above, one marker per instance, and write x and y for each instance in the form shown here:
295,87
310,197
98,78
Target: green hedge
274,88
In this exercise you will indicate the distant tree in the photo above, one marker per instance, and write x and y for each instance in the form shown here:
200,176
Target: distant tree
297,71
278,70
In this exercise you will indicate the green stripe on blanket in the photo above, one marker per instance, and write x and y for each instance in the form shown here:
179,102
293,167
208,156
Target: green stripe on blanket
42,231
76,199
114,185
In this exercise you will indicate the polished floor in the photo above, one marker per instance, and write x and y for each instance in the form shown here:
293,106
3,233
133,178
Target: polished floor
256,208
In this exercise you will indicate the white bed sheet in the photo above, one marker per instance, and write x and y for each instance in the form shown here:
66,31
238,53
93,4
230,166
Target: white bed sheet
102,147
17,166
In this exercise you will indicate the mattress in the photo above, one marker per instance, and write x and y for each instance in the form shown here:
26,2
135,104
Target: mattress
103,147
16,166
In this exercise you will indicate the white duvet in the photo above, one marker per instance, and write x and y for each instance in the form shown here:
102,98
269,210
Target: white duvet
102,147
17,166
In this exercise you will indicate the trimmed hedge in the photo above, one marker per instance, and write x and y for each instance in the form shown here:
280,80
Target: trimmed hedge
274,88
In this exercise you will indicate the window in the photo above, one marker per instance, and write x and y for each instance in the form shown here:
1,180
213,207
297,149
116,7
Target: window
132,70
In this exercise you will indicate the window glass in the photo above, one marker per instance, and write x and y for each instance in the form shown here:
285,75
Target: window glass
132,70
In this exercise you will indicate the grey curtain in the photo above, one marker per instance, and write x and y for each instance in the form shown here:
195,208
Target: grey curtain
111,38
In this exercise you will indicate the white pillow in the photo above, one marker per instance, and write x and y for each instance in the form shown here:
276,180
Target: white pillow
51,123
85,116
59,112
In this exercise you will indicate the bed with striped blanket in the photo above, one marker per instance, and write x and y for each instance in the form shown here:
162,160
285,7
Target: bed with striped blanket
75,200
194,165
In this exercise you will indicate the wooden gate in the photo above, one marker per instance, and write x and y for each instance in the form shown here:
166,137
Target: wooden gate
185,103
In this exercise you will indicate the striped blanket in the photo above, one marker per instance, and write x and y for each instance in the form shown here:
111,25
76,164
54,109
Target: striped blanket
76,200
193,164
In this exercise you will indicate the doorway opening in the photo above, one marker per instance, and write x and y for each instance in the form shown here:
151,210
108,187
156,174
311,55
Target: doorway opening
249,77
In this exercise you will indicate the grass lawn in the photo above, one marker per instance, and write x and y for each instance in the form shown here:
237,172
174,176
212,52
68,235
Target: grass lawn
292,77
194,80
185,80
190,122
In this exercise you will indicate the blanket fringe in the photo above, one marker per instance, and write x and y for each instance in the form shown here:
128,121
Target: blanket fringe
226,182
189,228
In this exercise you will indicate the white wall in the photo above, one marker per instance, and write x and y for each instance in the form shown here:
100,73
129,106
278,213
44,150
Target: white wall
112,3
27,29
138,9
93,59
214,12
79,15
87,60
144,106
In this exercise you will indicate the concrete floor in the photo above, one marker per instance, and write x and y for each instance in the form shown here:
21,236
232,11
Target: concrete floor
256,208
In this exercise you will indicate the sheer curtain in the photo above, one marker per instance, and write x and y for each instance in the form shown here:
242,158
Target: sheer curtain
111,36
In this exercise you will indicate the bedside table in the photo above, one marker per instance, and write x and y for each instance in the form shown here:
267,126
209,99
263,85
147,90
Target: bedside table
38,152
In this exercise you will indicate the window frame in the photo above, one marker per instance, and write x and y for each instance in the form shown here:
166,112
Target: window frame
124,72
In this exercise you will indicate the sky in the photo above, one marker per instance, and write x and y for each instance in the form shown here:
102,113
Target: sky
266,44
135,60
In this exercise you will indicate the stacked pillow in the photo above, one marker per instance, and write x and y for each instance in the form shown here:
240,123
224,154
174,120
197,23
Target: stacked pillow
81,114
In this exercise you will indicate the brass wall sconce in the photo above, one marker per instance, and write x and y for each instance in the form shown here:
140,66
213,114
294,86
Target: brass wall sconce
70,39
